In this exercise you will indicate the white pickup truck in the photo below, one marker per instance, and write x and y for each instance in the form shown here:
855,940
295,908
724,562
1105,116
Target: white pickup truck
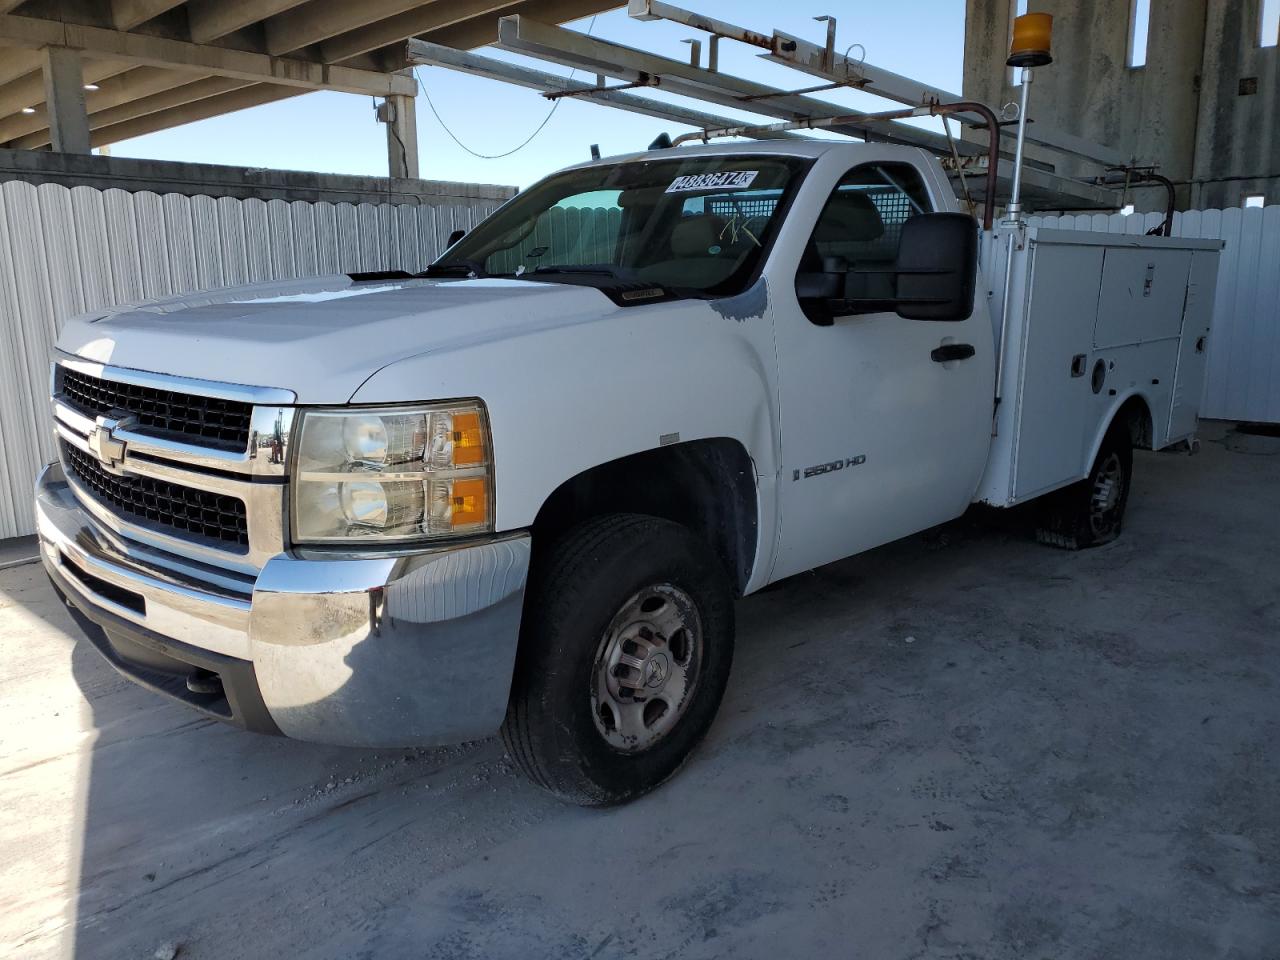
522,491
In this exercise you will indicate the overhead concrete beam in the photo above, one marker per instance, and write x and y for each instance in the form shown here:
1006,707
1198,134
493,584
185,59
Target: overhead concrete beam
166,100
16,63
211,19
28,91
177,96
199,58
411,23
127,14
482,31
112,92
64,97
251,96
322,19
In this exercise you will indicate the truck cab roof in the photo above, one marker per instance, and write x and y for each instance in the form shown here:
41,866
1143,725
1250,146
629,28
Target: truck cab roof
794,147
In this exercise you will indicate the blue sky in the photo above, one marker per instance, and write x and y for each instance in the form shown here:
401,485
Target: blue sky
337,133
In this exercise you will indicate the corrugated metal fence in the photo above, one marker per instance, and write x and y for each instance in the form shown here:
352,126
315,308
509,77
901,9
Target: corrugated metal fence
1243,377
64,251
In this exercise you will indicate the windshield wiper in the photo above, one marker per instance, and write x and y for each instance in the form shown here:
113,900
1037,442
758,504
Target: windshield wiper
627,288
598,270
466,268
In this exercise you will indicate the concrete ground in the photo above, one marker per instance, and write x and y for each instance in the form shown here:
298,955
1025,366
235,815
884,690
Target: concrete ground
962,745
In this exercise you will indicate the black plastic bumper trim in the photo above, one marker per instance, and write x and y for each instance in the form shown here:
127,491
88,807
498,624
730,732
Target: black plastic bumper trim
163,665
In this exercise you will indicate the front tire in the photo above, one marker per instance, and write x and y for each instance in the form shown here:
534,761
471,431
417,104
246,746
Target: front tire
1091,512
624,655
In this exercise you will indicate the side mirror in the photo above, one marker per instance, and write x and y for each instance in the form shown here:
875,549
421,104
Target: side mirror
826,284
937,267
454,238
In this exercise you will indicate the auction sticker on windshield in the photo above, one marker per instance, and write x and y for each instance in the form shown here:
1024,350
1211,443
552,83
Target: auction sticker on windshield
729,180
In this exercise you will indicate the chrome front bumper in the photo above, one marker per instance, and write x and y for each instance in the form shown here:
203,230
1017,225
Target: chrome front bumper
401,651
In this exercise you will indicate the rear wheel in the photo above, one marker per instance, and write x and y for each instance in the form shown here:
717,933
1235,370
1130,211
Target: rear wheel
624,656
1091,512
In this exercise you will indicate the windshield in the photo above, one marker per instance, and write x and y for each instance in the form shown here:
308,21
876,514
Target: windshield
697,225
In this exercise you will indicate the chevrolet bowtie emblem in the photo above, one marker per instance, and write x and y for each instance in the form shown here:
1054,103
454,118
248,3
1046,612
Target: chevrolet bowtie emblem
105,446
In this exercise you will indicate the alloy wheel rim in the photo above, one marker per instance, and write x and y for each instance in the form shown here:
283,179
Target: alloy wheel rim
646,668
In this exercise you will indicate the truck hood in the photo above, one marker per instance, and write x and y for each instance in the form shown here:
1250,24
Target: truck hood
324,336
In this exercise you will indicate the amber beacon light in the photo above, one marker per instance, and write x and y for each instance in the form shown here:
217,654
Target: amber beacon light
1030,46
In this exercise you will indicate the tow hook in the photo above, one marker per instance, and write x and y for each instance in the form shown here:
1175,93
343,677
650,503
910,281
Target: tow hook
204,681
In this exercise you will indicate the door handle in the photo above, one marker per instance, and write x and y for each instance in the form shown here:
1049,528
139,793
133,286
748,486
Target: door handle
951,351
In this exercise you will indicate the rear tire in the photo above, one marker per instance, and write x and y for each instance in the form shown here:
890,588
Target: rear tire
624,655
1091,512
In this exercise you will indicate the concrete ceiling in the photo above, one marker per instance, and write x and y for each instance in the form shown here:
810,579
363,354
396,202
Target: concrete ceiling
162,63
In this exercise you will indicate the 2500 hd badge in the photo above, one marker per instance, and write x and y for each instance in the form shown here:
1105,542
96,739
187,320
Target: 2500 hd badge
832,467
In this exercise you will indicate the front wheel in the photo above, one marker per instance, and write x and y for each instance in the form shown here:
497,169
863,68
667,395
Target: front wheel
624,656
1091,512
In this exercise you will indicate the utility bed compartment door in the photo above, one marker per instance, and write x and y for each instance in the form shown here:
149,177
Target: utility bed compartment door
1188,381
1054,394
1142,296
1095,320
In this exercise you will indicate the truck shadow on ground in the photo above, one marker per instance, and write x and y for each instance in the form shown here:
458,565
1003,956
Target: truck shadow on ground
958,744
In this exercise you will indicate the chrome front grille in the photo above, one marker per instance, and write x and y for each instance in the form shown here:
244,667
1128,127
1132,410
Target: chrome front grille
210,421
184,510
192,468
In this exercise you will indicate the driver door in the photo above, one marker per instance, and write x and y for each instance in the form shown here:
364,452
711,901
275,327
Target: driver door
879,437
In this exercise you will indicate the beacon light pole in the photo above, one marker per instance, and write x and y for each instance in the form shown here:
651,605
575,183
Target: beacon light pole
1030,48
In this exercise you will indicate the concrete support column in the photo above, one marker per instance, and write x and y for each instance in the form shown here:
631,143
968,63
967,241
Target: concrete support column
402,136
64,100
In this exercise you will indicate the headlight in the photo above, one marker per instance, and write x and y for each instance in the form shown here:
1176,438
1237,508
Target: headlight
392,473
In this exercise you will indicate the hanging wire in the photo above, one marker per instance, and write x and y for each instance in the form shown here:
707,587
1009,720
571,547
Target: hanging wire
475,153
516,149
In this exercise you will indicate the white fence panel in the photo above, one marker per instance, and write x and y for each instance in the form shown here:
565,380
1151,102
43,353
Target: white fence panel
66,251
1242,379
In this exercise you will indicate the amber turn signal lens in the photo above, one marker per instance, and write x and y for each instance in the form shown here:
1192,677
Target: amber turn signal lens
1031,39
468,440
470,501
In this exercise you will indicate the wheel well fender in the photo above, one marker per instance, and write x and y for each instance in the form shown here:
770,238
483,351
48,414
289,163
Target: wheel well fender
707,485
1133,412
